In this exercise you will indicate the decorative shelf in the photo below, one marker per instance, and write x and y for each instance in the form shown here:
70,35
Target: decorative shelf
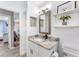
68,12
66,26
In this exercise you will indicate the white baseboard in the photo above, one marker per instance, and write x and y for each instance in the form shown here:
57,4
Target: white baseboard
71,51
11,47
24,55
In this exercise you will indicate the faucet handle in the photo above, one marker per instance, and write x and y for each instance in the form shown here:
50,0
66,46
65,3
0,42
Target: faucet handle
57,39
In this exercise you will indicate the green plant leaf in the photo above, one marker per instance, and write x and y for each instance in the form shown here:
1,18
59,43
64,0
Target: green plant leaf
65,17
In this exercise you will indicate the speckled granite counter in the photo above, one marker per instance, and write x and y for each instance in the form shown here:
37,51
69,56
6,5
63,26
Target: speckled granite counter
47,44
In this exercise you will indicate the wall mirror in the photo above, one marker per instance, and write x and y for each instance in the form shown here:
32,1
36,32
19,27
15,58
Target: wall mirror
44,22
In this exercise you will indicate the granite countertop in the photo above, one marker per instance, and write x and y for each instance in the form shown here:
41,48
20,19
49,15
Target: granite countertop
47,44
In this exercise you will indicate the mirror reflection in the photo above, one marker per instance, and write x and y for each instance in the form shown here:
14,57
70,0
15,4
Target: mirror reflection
44,22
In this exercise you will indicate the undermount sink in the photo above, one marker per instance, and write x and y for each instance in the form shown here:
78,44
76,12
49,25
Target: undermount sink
47,44
38,40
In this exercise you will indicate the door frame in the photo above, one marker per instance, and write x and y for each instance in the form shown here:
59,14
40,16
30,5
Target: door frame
10,31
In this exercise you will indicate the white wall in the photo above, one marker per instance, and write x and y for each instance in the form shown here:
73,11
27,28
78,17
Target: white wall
12,5
69,36
32,10
23,32
18,6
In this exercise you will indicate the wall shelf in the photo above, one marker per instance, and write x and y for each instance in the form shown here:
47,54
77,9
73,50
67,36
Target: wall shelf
66,26
71,11
76,10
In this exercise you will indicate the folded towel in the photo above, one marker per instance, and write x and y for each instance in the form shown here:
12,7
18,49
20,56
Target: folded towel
54,54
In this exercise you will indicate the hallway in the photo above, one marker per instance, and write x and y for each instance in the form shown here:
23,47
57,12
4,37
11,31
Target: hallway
6,52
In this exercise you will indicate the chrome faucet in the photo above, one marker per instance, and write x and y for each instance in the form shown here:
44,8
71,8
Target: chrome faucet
46,37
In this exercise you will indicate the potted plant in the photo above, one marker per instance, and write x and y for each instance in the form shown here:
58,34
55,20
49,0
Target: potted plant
64,19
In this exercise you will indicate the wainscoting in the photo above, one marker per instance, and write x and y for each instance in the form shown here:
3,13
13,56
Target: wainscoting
70,52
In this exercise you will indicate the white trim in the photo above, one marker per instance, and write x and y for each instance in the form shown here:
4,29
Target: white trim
12,48
71,51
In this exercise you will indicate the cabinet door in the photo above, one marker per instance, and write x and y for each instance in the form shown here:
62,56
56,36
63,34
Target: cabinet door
33,49
43,52
46,53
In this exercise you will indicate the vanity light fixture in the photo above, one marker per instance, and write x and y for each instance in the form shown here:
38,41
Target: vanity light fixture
44,11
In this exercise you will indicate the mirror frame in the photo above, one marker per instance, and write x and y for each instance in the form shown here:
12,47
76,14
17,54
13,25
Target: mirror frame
49,20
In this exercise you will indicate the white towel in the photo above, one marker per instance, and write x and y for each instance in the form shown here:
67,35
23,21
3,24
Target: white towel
55,54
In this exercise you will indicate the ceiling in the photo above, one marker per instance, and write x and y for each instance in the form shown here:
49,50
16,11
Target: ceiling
39,4
15,6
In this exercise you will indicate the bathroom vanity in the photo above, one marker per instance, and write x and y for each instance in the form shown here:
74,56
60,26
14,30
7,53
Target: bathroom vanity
44,46
39,47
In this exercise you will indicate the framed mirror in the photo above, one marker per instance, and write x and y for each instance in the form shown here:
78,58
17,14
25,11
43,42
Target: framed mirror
33,21
44,22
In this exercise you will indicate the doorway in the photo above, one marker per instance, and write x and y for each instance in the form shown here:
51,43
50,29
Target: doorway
7,34
9,15
4,28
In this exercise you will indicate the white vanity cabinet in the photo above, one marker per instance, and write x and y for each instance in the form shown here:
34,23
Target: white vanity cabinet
32,49
37,50
45,52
